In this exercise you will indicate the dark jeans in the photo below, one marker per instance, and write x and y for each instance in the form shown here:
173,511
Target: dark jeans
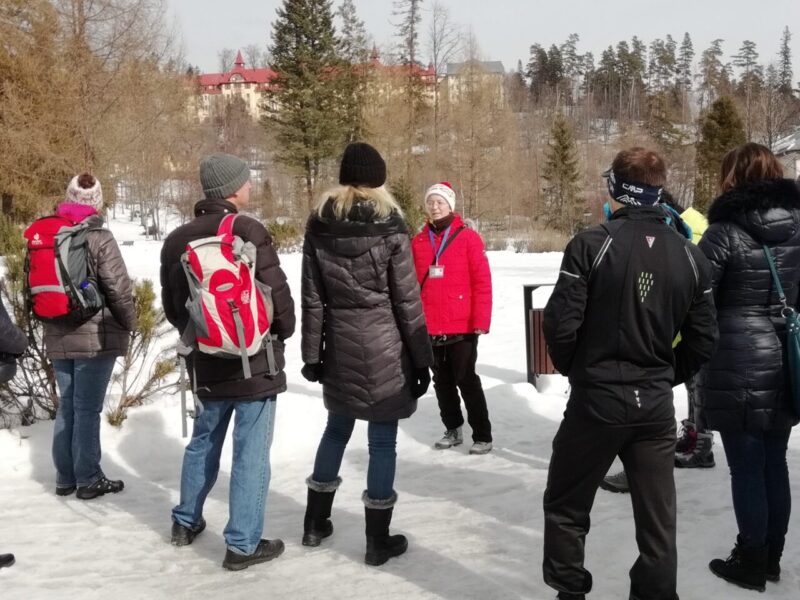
583,451
762,499
82,385
454,370
382,440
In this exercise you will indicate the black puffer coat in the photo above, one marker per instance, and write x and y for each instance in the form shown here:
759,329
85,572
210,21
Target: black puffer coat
362,314
745,386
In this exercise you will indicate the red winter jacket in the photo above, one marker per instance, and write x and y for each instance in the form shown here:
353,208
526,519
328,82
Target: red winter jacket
461,301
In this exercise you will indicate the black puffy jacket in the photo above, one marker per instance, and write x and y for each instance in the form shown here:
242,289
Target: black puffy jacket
745,386
362,314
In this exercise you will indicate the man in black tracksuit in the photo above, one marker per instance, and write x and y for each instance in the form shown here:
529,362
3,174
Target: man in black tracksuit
625,290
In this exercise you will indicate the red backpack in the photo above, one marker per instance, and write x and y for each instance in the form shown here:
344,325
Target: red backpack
230,310
60,280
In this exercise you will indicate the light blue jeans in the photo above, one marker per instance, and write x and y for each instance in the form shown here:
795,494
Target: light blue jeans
253,426
82,384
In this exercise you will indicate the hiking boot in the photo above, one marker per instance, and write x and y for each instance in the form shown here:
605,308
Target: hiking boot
481,448
452,437
380,545
6,560
774,553
65,490
687,437
183,536
745,567
99,488
617,483
266,551
317,524
700,456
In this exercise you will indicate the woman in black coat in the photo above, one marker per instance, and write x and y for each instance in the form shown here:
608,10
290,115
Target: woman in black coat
364,338
744,390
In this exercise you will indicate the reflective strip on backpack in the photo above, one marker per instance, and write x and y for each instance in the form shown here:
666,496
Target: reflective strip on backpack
40,289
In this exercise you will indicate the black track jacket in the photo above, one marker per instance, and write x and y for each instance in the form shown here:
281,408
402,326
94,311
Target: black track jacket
625,290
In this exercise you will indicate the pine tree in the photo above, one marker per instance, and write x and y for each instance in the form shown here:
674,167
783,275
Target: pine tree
785,63
684,66
564,206
410,13
712,74
354,52
304,104
409,202
747,61
721,130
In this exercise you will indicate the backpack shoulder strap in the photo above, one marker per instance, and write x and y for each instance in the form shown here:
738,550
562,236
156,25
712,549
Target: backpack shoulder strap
226,225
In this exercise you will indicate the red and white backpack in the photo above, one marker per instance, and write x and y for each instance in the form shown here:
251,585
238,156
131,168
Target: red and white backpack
230,310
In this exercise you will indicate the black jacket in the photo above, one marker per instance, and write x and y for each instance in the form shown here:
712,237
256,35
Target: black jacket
625,290
362,314
745,386
223,378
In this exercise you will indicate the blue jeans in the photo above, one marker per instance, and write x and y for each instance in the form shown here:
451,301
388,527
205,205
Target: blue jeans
82,384
252,437
762,499
382,454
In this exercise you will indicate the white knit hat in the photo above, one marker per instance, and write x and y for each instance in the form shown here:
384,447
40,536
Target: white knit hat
92,196
445,190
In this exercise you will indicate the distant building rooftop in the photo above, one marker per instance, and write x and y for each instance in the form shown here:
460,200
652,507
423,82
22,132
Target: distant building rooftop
493,66
788,144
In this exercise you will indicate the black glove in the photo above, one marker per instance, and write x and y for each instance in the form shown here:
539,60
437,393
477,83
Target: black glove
312,372
422,379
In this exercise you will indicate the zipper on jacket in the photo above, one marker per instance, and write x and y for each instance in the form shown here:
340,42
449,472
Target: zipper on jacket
694,265
603,250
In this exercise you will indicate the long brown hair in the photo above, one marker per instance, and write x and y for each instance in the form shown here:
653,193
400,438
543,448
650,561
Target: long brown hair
749,162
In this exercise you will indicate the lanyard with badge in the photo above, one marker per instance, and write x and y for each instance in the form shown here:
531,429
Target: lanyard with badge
436,271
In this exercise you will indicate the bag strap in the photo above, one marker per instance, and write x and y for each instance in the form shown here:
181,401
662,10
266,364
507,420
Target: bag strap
226,225
775,277
441,251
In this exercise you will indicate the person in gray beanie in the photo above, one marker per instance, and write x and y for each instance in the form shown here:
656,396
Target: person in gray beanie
221,383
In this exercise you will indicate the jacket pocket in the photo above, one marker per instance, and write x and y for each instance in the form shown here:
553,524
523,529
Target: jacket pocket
459,306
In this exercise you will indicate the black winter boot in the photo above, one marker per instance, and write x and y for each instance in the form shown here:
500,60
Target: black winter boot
380,545
317,524
6,560
745,567
774,553
183,536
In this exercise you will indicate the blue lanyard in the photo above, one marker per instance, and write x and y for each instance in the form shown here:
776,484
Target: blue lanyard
438,252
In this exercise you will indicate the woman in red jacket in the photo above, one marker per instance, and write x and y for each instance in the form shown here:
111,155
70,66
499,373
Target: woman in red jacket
456,284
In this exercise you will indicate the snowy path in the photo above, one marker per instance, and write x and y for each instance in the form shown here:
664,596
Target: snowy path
474,523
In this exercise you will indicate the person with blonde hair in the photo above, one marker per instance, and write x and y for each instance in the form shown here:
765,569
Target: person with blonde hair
364,340
744,390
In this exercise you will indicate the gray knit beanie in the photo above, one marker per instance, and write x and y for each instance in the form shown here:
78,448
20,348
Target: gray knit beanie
222,175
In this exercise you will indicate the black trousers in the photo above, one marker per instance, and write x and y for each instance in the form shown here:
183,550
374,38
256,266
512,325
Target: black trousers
454,371
583,451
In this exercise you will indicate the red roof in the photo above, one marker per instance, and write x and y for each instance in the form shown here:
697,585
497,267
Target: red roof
258,76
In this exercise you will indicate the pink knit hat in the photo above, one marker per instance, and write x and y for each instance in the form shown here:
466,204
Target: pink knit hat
445,190
79,193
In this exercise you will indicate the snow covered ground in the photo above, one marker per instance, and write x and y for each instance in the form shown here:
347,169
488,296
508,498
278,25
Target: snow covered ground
474,523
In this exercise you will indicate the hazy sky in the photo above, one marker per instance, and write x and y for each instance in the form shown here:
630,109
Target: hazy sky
505,29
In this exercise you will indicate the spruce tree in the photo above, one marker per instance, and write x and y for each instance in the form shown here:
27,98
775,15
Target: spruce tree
721,130
785,63
354,53
304,103
563,203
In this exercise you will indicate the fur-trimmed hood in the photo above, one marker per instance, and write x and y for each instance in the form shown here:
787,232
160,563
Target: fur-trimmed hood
769,209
